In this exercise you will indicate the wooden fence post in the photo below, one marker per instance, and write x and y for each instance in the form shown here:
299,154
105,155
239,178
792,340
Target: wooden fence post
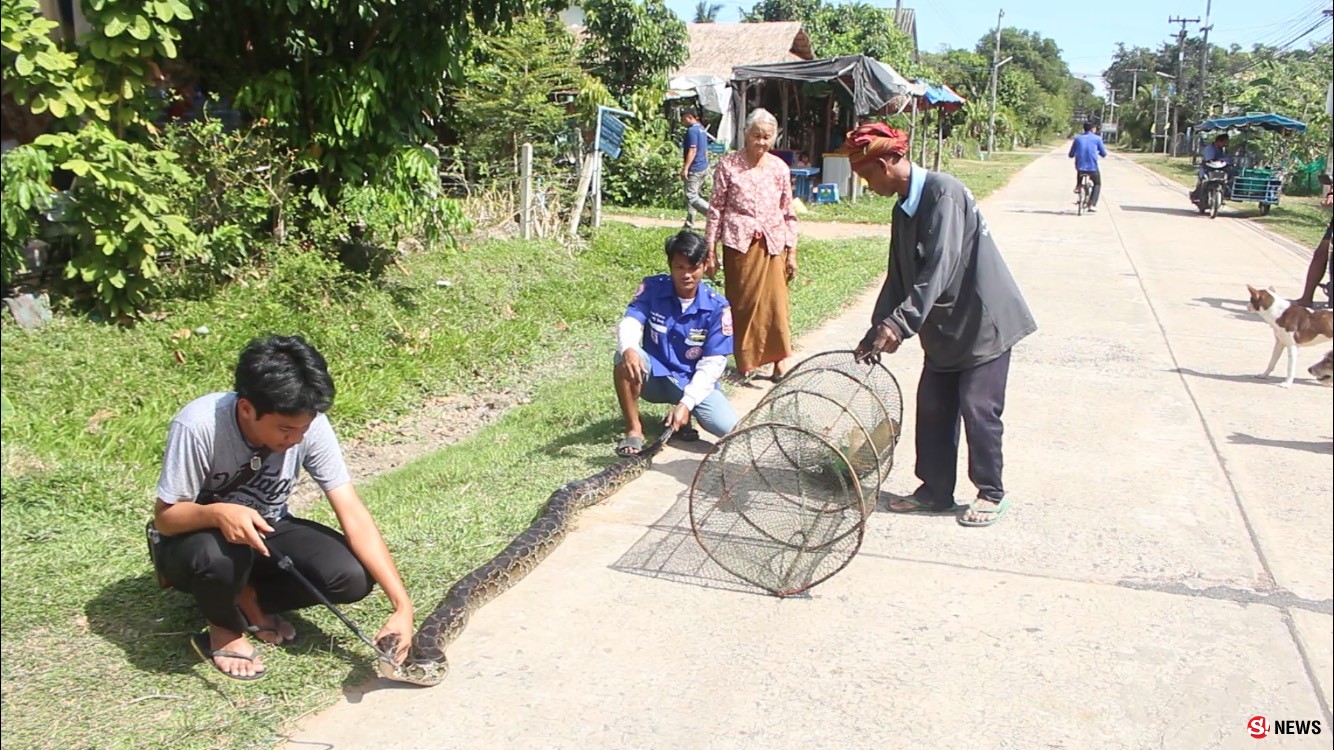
581,192
526,191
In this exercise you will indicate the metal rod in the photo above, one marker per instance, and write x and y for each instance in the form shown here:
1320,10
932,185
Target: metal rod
285,563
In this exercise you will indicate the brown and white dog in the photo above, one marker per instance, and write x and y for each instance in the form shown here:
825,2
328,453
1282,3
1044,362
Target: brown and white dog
1324,369
1292,326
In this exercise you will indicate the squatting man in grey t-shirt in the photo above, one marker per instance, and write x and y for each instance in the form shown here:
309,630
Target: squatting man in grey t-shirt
230,464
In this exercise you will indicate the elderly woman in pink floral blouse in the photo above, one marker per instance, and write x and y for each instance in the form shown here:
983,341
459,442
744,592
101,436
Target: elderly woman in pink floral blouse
751,215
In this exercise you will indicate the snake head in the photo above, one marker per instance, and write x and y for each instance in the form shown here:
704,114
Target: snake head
424,673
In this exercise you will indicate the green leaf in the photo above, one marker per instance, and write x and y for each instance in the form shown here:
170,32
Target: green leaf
58,108
117,279
165,11
168,47
52,62
6,408
24,65
116,25
141,29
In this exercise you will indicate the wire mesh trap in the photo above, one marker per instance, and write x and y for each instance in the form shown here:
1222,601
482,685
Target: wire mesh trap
782,501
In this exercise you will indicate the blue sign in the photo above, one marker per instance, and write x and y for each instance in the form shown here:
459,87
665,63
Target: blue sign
611,134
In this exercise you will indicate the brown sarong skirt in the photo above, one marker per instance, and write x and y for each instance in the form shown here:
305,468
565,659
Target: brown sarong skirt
755,283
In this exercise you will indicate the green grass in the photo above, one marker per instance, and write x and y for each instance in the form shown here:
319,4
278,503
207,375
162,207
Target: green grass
95,655
1299,218
982,177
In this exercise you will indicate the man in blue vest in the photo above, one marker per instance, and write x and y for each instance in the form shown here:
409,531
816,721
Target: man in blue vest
1085,150
672,347
695,146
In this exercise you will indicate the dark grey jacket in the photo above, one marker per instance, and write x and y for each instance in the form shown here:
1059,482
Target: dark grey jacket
948,283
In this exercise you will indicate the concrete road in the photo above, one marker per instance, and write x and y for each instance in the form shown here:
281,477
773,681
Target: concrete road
1163,576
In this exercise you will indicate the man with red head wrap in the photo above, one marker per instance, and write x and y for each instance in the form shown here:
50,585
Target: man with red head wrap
949,285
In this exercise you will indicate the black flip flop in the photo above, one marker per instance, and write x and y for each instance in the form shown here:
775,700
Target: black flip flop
200,641
630,446
279,621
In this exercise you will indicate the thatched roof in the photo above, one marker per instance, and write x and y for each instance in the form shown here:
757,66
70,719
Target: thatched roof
716,48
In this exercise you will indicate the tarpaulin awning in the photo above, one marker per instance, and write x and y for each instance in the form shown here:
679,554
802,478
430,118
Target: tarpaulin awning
873,83
941,97
1268,121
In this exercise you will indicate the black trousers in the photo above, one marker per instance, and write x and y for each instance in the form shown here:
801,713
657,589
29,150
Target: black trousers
977,397
1096,178
205,565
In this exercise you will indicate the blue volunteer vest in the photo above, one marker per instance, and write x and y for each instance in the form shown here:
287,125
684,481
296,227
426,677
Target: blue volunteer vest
676,339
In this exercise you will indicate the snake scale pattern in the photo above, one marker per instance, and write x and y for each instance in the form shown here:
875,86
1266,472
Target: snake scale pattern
426,663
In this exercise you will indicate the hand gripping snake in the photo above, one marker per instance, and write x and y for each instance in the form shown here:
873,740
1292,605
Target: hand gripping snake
426,663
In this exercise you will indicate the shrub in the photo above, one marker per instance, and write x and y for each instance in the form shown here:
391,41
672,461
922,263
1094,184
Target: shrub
26,173
118,211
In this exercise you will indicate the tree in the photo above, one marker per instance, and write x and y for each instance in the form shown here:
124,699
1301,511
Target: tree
850,28
505,96
349,84
707,12
632,44
1031,51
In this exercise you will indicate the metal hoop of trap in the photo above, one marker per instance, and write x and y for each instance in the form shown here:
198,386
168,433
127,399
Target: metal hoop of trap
842,408
875,375
775,505
782,501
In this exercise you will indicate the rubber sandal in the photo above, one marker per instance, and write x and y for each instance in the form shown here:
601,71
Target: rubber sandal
200,641
688,434
923,509
989,516
279,621
630,446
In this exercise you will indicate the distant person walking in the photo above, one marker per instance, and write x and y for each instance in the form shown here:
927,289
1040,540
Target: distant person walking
695,166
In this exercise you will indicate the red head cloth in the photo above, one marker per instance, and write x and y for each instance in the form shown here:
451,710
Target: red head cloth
874,140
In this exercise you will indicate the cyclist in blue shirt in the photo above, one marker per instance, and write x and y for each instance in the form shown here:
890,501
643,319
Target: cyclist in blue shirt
672,347
695,146
1085,150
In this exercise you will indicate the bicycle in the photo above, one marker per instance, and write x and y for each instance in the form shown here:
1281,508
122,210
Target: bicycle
1085,193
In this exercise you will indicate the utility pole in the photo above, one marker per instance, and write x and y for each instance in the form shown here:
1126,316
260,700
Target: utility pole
1181,82
1134,81
995,72
1204,53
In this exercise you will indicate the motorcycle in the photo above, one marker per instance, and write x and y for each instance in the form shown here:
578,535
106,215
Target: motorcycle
1209,197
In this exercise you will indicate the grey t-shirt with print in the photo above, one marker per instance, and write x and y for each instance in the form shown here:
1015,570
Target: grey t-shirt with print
205,449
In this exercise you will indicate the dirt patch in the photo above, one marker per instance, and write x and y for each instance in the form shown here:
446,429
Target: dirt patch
440,422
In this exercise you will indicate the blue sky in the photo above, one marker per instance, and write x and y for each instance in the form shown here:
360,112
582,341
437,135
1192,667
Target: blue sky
1087,33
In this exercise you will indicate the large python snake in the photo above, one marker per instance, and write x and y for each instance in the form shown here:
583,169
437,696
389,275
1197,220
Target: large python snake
426,663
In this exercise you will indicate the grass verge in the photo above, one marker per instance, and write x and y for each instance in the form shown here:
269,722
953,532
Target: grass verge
1299,218
94,655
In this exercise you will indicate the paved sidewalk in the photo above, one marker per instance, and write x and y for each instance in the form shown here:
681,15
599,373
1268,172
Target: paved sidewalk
1164,575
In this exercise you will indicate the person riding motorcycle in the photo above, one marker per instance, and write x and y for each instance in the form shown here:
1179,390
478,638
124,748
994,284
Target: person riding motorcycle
1216,151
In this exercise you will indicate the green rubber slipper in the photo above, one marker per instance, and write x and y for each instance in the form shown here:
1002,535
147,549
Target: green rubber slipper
989,516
